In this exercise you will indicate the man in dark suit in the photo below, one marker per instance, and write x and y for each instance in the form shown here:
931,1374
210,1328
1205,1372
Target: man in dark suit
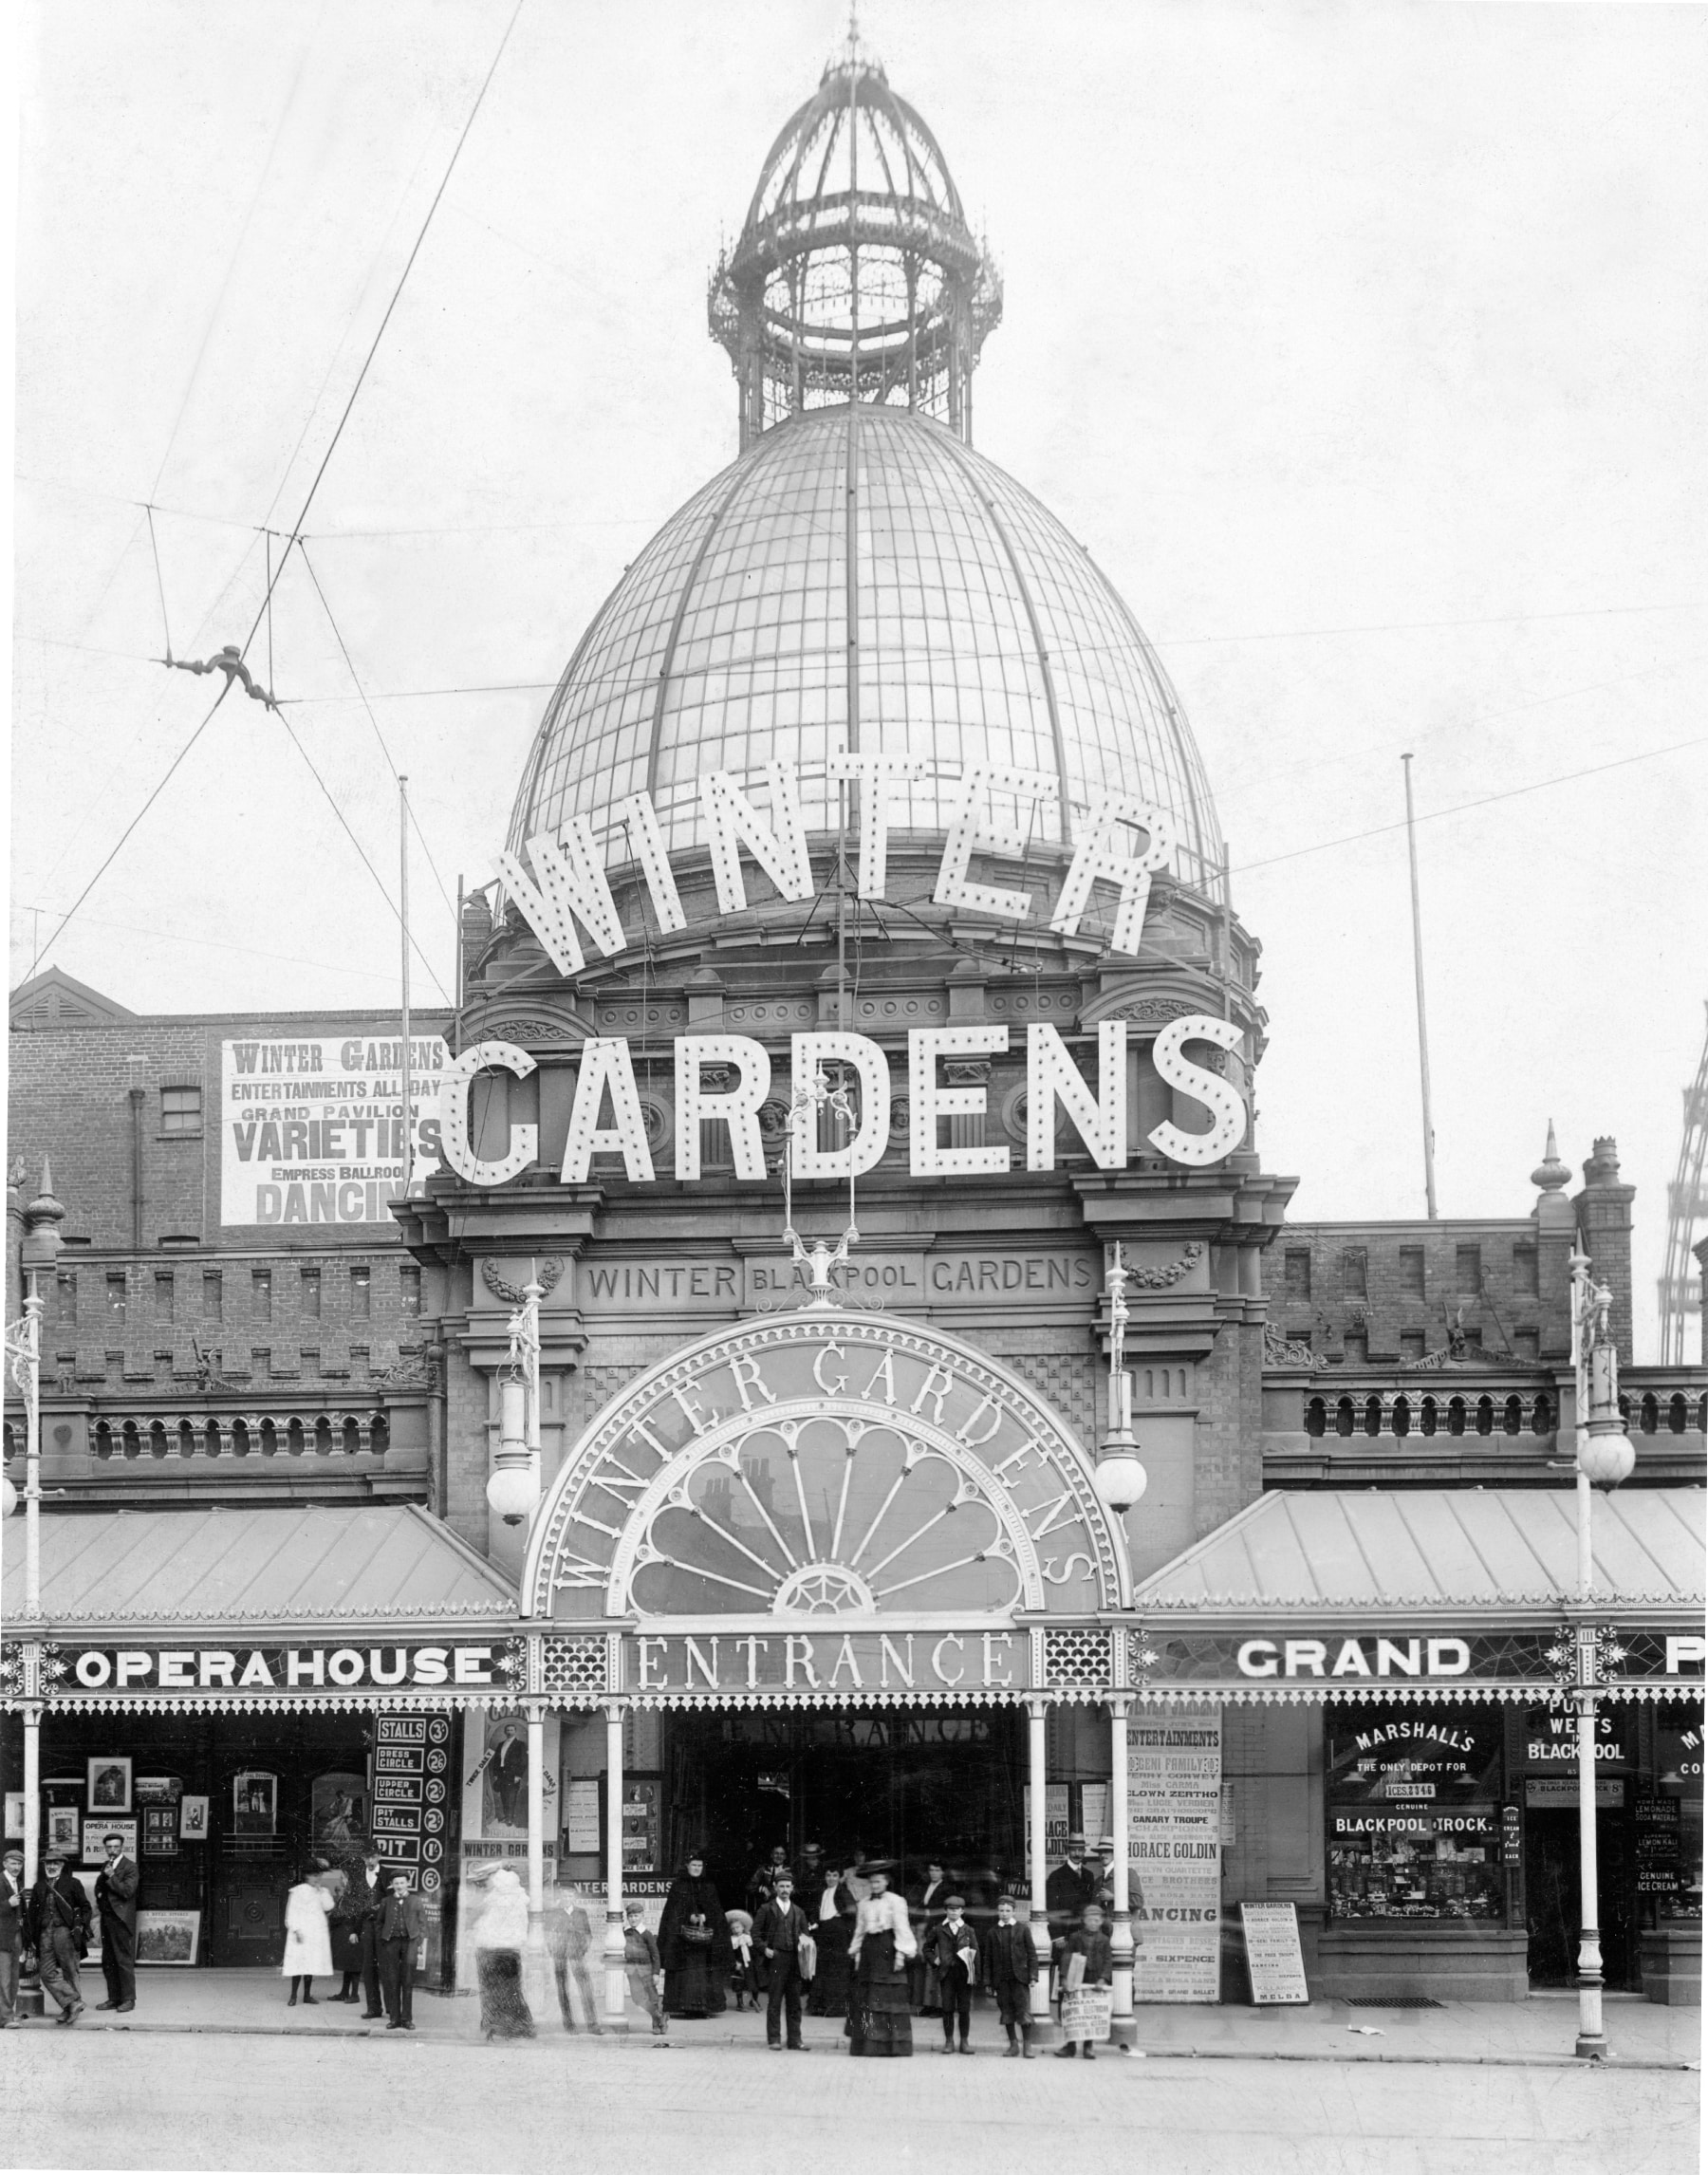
1070,1888
363,1899
116,1900
12,1934
402,1924
1011,1968
778,1932
510,1776
57,1918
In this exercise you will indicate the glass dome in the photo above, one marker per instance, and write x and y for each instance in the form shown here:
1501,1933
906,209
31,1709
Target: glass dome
984,634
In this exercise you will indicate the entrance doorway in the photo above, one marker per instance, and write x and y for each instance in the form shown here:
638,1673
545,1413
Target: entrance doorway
1551,1896
901,1784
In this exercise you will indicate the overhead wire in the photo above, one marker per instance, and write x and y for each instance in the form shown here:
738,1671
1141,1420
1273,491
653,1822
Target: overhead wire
390,307
1485,800
355,682
361,853
274,573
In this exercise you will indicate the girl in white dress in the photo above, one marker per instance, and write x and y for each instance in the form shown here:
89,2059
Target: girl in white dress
308,1942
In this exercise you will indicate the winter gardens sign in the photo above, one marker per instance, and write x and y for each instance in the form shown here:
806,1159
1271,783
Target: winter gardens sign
565,890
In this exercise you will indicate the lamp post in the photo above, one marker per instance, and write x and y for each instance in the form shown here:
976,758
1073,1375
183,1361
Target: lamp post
1120,1482
1604,1457
514,1492
37,1257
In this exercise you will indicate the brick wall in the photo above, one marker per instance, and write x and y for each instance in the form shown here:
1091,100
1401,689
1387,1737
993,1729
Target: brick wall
1392,1300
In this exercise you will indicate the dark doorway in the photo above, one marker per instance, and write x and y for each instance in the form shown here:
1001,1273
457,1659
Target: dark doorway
1551,1887
897,1784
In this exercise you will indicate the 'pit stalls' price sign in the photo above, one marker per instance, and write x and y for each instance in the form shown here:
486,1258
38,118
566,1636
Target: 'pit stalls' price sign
412,1758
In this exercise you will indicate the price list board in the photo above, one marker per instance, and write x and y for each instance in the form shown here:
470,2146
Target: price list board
412,1758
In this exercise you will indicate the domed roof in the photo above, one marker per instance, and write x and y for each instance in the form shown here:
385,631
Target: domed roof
985,634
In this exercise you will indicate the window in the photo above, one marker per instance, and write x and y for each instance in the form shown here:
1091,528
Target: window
1468,1269
361,1288
1355,1272
213,1295
1297,1273
116,1301
1524,1271
1413,1810
180,1110
409,1290
64,1292
311,1294
263,1294
1411,1272
163,1295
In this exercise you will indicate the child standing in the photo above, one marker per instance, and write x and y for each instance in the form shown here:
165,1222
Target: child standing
954,1950
1088,1939
641,1962
743,1982
1011,1967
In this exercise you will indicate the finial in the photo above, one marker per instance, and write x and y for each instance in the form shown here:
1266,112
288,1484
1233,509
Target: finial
1550,1174
45,1208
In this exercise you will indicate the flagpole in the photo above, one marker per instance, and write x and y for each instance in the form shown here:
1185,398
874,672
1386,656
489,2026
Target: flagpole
403,898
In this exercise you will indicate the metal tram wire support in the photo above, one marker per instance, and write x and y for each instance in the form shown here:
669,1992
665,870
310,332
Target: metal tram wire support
1604,1457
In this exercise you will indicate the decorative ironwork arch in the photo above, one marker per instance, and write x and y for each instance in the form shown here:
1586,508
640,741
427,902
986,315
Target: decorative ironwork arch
823,1464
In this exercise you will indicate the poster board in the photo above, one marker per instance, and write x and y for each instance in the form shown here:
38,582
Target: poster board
1055,1822
311,1130
95,1834
1274,1961
168,1936
1085,2014
1173,1846
583,1799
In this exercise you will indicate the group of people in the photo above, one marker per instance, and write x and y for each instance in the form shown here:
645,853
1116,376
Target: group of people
367,1925
498,1904
51,1921
836,1939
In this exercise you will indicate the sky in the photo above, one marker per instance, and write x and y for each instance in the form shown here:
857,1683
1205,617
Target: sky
1360,343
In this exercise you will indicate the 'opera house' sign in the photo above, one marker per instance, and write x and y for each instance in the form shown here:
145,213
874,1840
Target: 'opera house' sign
565,890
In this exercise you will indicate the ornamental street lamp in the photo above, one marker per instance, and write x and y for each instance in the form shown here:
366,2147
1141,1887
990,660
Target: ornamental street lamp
1604,1457
1120,1480
513,1490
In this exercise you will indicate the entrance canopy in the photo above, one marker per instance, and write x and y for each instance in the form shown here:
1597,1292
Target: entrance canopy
267,1607
1434,1593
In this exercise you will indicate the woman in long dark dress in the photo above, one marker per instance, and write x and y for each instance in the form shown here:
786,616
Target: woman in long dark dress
693,1945
880,2018
834,1931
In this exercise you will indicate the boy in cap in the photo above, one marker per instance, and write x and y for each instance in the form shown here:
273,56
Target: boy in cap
955,1951
59,1924
1090,1941
642,1964
1011,1969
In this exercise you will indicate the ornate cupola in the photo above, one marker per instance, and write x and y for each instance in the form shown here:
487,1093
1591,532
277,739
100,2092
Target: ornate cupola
856,276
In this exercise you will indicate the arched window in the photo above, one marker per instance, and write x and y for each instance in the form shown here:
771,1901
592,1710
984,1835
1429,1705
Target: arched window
1485,1416
352,1436
1430,1416
1372,1417
1542,1416
1677,1413
1316,1417
1401,1419
1455,1415
1514,1418
1343,1417
1650,1421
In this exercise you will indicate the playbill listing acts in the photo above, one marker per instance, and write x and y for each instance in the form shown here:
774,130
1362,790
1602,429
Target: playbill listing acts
1174,1834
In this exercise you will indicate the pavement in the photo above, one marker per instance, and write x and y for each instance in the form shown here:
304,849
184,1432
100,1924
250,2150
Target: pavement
207,2076
1538,2031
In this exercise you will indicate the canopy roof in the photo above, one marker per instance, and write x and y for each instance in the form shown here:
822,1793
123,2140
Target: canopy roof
1439,1547
283,1565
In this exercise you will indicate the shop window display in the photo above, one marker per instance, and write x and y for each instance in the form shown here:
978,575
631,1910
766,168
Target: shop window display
1674,1862
1413,1802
